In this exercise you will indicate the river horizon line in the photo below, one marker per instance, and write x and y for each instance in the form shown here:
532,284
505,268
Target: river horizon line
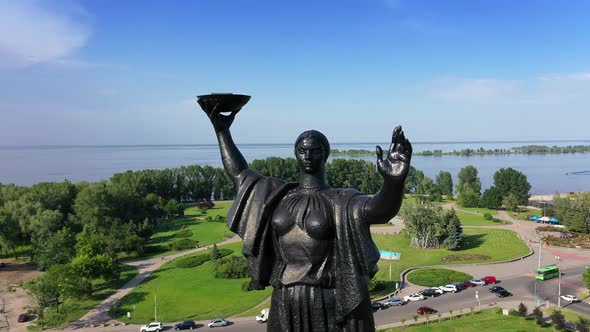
279,144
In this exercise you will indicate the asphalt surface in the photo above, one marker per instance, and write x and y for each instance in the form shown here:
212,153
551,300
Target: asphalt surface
522,287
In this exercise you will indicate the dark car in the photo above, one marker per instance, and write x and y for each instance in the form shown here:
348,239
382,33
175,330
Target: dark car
22,318
468,284
425,310
378,306
496,289
429,292
503,293
186,325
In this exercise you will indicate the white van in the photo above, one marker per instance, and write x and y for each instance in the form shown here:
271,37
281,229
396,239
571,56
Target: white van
263,316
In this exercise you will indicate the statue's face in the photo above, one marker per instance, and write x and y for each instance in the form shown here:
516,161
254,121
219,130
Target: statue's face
310,155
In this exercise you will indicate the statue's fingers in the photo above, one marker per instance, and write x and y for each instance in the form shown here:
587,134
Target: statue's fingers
394,138
379,152
401,148
408,147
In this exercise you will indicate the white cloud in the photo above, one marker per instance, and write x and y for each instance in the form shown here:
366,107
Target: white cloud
581,76
31,33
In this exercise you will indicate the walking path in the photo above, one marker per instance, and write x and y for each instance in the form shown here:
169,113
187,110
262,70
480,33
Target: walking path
145,267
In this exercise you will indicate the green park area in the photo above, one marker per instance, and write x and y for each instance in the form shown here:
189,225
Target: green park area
74,308
480,210
189,293
470,219
482,321
481,245
189,230
436,277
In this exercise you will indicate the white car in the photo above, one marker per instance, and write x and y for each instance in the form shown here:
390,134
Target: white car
450,288
414,297
151,327
217,322
570,298
262,317
478,282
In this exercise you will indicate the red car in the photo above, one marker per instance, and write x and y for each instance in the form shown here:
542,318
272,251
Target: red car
425,310
468,284
22,318
489,279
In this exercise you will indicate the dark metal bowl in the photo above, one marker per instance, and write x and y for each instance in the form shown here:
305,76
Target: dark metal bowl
222,102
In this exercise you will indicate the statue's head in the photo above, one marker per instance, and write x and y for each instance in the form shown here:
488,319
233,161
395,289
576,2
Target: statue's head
312,150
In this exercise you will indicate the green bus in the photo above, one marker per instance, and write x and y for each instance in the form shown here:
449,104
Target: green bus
547,272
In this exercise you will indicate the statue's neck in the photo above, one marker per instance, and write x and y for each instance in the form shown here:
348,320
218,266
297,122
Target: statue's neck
314,180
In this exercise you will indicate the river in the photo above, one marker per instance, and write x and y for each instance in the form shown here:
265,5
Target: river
547,173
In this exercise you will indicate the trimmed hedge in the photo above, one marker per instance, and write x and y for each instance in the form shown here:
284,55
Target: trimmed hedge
183,244
196,260
183,233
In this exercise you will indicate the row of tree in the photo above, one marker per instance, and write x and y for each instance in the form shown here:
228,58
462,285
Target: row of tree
429,226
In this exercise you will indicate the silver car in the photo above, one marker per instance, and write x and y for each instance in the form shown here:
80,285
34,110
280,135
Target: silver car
394,301
217,322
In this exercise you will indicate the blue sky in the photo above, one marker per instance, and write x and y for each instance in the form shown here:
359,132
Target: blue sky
127,72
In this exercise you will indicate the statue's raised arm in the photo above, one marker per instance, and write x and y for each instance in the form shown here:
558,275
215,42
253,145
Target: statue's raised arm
221,110
394,169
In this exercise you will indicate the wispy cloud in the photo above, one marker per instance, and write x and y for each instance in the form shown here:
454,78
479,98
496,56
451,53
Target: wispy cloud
32,33
581,76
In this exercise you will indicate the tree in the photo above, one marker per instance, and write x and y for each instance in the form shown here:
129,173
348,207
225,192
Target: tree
421,222
491,198
414,177
454,239
558,320
468,180
215,253
510,181
444,182
44,294
9,231
522,309
90,268
582,325
586,278
510,202
538,314
468,199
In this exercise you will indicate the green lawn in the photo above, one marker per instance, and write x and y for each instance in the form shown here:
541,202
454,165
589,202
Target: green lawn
205,233
482,321
497,244
75,309
191,293
436,277
524,213
468,219
570,315
481,210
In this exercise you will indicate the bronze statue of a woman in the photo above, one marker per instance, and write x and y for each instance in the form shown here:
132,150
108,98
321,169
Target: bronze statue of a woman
309,241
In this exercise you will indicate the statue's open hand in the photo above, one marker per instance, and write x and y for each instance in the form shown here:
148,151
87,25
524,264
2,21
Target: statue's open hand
397,162
221,120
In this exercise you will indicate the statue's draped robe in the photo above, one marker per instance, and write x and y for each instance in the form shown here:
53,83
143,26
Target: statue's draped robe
355,253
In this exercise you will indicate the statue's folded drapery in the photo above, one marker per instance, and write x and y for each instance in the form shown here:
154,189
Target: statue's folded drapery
354,252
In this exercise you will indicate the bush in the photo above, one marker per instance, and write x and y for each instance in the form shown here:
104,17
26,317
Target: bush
538,314
183,244
498,311
513,312
582,325
558,320
246,286
234,267
192,261
183,233
487,216
376,285
522,309
219,219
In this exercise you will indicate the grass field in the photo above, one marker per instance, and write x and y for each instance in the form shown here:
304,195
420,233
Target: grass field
468,219
498,244
481,321
524,213
570,315
75,309
205,233
436,277
481,210
190,293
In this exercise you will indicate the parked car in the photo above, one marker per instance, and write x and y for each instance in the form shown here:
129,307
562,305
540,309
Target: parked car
468,284
503,293
478,282
378,306
438,290
151,327
570,298
450,288
22,318
496,289
394,301
490,280
186,325
262,317
2,264
429,292
217,322
425,310
414,297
